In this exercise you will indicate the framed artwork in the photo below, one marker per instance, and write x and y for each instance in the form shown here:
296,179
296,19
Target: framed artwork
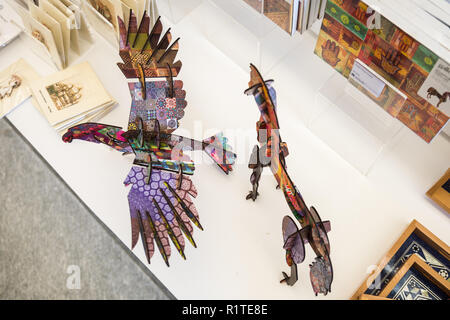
280,12
424,120
370,297
416,280
415,240
440,192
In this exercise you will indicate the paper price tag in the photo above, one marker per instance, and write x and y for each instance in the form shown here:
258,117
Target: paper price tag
363,76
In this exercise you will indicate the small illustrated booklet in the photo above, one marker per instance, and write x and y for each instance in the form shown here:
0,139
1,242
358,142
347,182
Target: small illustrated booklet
56,30
290,15
14,85
71,96
102,15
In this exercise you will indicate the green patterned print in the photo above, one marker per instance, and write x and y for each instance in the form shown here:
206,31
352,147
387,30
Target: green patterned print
425,58
348,21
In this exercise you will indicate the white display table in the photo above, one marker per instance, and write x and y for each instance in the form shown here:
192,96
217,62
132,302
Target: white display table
240,254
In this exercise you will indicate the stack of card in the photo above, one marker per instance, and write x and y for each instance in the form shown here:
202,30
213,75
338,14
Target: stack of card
309,12
15,85
71,96
56,29
102,15
282,12
290,15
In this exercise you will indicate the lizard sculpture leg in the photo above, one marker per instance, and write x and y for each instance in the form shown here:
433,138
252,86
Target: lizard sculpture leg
257,167
292,279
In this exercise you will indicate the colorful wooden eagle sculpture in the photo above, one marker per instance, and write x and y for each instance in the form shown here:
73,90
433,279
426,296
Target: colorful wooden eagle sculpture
272,153
160,201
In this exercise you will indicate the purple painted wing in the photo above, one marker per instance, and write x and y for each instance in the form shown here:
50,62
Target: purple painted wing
318,235
293,242
160,212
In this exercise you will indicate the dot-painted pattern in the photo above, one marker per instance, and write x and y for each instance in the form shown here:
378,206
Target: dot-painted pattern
157,104
321,275
141,197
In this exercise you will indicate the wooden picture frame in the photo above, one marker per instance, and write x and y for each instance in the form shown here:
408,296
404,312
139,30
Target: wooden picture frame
439,195
370,297
425,282
415,237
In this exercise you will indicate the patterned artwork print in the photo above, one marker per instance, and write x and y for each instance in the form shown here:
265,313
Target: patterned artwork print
425,58
64,95
158,105
413,245
141,204
104,8
404,43
342,35
352,24
279,11
389,99
413,82
355,8
424,120
415,286
350,30
385,30
446,186
99,133
380,56
255,4
331,52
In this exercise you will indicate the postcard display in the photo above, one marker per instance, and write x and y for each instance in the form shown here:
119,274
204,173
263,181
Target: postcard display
56,31
433,34
257,35
359,110
103,15
376,91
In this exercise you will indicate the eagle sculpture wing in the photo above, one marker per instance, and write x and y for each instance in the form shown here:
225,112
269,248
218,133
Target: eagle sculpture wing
161,190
